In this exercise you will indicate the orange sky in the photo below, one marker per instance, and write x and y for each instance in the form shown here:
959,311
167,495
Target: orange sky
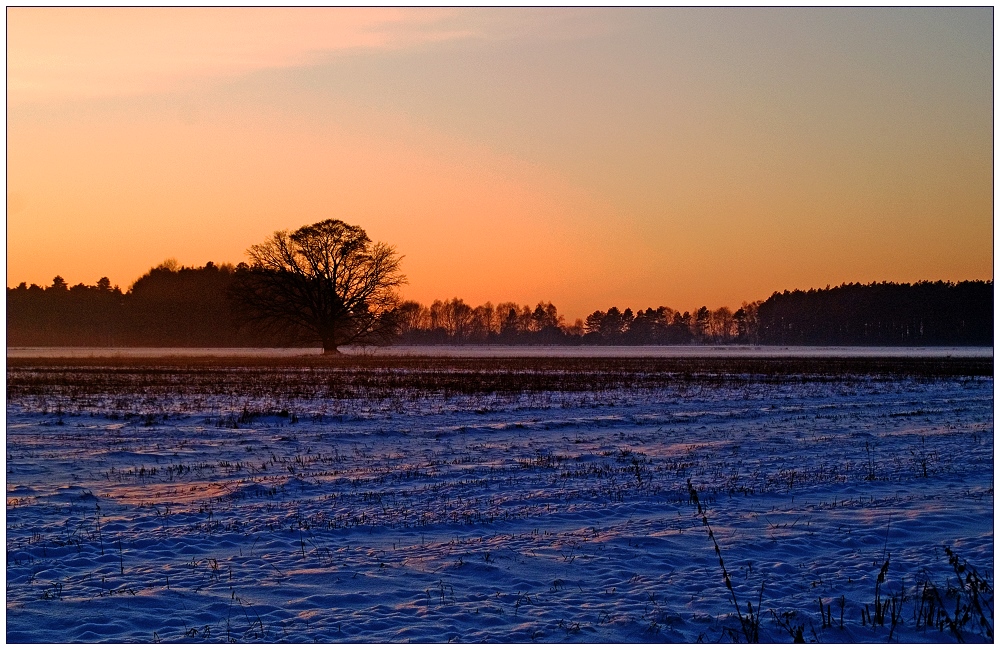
635,157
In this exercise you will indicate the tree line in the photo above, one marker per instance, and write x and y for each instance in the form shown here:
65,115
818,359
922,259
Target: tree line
885,313
180,306
169,306
454,321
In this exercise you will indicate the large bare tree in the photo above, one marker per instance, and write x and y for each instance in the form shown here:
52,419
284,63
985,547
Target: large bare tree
326,283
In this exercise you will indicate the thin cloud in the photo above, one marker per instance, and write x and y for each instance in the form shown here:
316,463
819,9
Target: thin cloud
77,53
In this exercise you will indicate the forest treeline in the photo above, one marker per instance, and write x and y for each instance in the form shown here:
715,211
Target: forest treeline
454,321
925,313
178,306
169,306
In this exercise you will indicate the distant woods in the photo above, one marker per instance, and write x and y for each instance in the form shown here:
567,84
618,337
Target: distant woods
176,306
169,306
454,321
877,314
925,313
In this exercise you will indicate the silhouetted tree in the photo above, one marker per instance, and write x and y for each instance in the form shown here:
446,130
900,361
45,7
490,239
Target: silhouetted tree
647,327
411,316
701,319
680,329
592,325
721,325
457,318
614,324
480,327
510,327
327,282
746,322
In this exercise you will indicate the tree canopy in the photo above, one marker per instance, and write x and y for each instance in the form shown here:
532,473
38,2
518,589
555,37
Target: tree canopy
327,282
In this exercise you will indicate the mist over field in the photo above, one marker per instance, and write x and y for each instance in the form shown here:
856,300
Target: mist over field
505,351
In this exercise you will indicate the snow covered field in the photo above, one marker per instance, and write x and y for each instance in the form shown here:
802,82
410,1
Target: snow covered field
215,503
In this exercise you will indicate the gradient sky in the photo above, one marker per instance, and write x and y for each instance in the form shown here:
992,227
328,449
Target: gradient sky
590,157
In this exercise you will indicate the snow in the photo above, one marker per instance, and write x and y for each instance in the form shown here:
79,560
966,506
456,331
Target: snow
284,515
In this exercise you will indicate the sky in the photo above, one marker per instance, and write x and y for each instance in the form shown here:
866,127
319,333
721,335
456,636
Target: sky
585,156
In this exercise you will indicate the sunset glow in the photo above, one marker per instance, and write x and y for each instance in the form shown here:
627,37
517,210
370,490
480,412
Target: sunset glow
588,157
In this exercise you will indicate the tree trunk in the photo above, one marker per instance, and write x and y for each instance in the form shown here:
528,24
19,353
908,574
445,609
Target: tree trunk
330,349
